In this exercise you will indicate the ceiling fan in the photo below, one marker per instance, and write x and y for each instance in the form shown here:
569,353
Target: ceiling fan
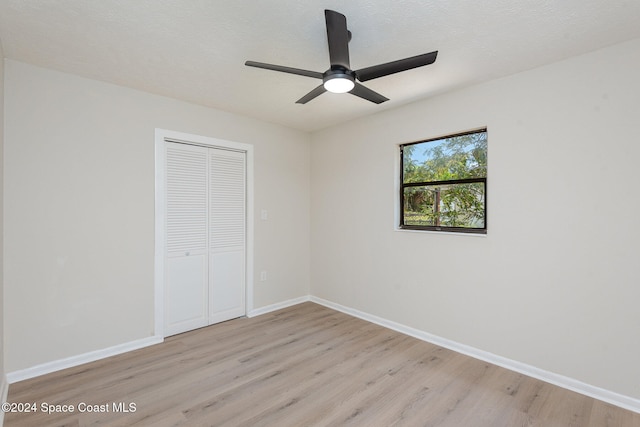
340,78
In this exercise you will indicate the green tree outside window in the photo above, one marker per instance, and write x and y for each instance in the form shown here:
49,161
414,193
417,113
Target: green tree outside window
444,183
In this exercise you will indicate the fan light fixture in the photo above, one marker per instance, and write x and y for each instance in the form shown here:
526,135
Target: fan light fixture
340,78
339,84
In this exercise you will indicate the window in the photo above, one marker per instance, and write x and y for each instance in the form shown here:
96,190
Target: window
444,183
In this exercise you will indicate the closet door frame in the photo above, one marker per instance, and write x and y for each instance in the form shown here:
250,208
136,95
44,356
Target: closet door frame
161,137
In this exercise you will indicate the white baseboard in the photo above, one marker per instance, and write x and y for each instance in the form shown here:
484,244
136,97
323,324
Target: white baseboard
4,391
277,306
69,362
613,398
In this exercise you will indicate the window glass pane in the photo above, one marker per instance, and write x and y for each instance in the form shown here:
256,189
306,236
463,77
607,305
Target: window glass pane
450,205
458,157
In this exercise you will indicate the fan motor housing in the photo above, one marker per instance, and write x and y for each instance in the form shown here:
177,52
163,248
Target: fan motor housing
338,73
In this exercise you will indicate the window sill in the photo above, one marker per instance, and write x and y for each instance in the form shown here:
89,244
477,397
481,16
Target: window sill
440,233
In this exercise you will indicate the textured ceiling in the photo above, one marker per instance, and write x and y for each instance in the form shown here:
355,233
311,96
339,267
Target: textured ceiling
195,50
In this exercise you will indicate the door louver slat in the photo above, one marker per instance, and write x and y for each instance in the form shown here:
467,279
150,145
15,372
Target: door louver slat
186,198
227,196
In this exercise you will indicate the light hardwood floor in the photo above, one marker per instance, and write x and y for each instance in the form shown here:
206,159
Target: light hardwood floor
306,365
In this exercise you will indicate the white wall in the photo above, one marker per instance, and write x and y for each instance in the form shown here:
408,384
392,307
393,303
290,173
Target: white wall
555,283
2,346
79,210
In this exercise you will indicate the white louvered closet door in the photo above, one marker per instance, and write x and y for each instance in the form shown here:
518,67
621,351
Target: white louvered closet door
187,260
226,235
206,221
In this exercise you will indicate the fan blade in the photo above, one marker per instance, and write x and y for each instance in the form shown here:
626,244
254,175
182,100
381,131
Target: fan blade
283,69
393,67
366,93
338,38
313,94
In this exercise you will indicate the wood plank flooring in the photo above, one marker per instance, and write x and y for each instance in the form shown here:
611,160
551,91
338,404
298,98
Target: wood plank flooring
306,365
